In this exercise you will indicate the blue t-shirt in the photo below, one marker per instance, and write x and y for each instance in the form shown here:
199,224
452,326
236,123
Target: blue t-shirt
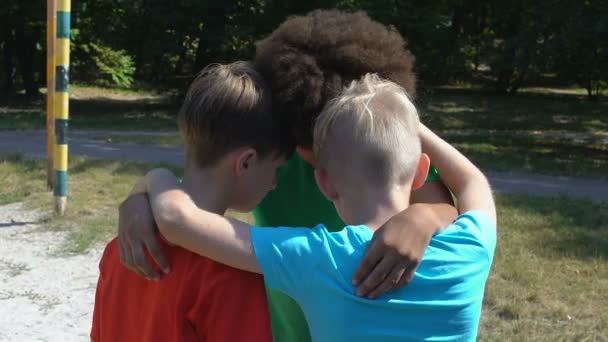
442,303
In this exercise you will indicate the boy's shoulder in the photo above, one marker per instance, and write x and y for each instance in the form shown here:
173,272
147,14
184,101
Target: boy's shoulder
473,227
184,264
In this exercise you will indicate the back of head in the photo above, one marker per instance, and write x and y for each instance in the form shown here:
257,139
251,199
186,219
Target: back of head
368,136
309,59
227,107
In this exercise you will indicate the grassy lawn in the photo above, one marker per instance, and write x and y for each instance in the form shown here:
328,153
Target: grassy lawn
96,187
166,139
530,132
96,108
550,271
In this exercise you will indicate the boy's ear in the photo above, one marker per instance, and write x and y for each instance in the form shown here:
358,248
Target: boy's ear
244,160
327,189
422,171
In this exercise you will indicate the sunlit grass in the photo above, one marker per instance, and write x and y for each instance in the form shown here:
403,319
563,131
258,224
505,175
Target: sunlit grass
532,133
550,271
165,139
96,187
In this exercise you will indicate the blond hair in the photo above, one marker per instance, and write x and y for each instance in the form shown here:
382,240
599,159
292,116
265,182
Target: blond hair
227,107
369,134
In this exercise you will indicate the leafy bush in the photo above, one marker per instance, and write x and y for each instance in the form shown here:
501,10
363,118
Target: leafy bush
101,65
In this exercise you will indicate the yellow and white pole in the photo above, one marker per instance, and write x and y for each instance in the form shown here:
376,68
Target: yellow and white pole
61,103
51,28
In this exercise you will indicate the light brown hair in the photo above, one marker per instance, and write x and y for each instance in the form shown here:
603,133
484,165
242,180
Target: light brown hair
228,107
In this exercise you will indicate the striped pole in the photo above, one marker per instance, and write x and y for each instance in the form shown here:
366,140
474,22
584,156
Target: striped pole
62,67
51,28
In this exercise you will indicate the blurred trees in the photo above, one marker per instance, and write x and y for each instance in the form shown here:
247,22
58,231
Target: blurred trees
504,44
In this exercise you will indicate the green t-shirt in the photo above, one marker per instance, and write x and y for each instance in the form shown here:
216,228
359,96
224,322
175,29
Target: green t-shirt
297,202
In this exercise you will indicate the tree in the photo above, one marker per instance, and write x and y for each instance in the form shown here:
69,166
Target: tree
583,45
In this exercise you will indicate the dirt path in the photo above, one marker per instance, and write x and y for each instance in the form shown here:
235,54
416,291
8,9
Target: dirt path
33,143
44,296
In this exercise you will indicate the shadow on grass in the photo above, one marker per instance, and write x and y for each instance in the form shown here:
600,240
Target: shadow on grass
17,224
561,227
82,165
93,113
555,156
478,109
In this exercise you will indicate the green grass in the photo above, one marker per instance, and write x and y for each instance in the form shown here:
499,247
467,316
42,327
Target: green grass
124,119
166,139
550,272
550,156
96,187
534,133
548,281
96,108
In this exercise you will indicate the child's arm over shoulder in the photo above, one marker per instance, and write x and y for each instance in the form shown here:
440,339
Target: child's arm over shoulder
466,181
181,222
280,253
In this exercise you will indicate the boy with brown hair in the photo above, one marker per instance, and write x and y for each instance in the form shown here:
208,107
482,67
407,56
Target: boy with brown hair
234,147
368,146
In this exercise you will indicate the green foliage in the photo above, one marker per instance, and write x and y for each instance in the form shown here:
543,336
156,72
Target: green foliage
505,44
582,50
109,68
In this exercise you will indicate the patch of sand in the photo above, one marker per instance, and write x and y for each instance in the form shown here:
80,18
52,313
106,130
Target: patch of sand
44,295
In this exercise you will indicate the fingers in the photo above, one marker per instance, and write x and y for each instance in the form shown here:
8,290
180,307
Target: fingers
372,258
390,282
408,275
125,256
136,234
141,262
376,277
153,247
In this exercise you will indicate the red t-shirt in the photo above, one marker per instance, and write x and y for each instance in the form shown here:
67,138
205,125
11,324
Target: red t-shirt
199,300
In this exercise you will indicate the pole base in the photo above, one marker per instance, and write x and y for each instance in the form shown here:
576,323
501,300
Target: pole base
60,204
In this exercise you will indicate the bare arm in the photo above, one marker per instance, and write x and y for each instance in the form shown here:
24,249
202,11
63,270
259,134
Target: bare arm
468,183
181,222
397,249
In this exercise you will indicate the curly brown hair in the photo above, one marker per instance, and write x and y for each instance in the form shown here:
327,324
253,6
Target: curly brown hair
309,59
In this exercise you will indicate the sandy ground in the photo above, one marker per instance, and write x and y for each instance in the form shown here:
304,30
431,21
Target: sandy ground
44,295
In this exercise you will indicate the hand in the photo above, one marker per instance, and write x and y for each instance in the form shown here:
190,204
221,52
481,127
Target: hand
398,246
136,231
392,258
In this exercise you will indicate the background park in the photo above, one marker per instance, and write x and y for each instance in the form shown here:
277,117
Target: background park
518,86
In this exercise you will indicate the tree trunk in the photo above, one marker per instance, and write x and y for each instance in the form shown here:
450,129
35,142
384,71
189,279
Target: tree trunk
26,50
8,51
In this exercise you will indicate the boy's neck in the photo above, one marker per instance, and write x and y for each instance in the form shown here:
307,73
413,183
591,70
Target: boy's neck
375,211
207,188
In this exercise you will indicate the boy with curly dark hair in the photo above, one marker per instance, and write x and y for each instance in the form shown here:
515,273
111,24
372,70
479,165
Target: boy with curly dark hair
307,61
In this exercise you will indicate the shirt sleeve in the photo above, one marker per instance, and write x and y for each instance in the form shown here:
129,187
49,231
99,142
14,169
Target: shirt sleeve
288,256
482,227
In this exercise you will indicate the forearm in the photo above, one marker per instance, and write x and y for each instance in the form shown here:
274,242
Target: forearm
182,223
431,218
466,181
